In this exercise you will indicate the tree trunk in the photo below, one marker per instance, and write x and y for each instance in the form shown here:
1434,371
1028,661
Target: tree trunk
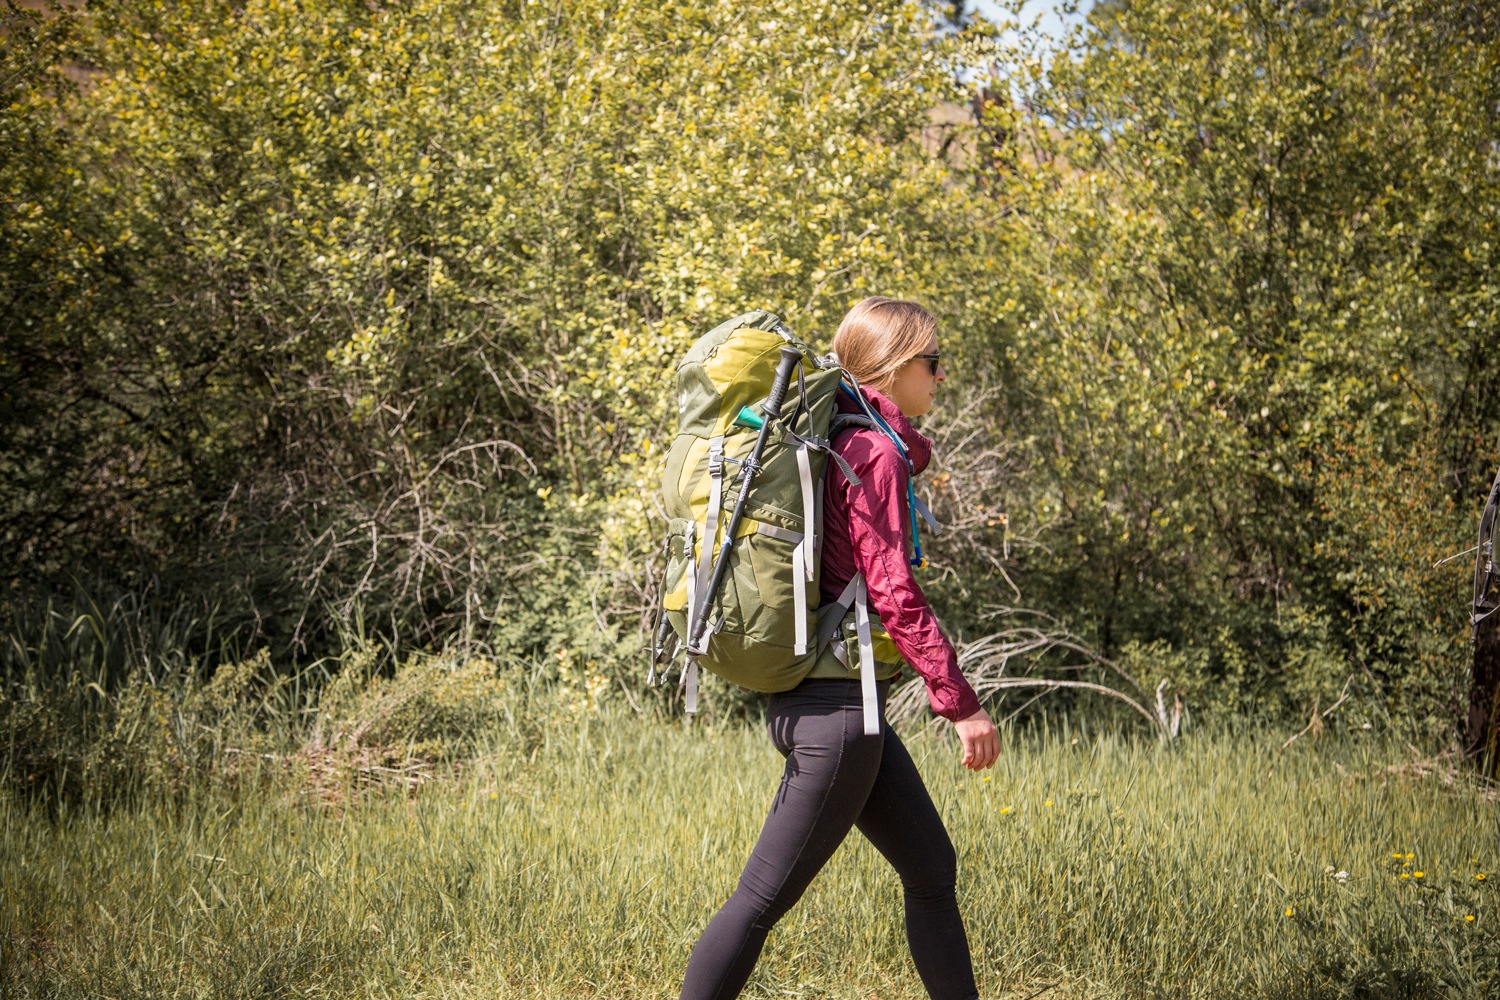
1482,729
1482,740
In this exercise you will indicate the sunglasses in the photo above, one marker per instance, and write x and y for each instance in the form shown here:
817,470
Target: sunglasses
932,361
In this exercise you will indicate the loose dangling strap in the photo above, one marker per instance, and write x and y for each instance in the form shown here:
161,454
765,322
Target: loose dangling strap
866,659
690,684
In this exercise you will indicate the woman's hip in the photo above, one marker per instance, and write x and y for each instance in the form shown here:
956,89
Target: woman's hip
822,713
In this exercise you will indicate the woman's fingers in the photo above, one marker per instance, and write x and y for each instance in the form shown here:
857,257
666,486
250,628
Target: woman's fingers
980,753
980,739
991,749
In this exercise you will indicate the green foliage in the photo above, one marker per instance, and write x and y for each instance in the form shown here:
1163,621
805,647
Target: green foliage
46,255
1249,338
156,735
383,301
82,676
315,313
162,726
1385,529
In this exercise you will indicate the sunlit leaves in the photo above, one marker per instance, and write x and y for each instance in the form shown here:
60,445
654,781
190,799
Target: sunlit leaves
1261,233
400,288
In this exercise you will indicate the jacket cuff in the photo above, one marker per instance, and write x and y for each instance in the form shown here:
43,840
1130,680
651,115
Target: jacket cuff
954,700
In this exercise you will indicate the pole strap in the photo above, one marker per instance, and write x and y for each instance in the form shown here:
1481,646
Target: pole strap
809,514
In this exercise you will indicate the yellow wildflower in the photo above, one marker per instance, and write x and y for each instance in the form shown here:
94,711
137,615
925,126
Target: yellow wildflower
1480,877
1469,919
1289,911
1005,810
1418,874
1406,874
1048,803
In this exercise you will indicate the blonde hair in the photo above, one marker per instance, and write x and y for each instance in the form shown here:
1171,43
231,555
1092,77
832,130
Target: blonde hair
879,335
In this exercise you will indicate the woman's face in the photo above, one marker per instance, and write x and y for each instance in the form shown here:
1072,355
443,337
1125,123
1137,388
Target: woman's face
914,387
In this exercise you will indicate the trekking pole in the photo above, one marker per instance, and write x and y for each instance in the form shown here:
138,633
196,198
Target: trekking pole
790,358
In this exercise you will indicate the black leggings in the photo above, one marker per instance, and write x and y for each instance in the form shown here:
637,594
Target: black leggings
837,777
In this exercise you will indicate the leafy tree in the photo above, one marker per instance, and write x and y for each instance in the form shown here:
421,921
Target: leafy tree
384,300
343,318
1251,344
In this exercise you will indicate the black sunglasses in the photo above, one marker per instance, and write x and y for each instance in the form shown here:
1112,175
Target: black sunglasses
932,361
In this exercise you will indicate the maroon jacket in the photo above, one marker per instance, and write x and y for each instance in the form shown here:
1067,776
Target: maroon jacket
865,530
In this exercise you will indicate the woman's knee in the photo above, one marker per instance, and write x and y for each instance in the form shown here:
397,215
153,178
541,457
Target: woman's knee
936,876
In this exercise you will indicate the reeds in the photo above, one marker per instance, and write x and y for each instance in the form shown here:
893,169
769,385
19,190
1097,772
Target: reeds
580,857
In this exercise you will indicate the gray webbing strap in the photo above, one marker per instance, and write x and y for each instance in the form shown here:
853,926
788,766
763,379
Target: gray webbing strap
825,445
689,678
710,530
691,570
809,512
802,561
799,600
775,531
845,468
926,514
866,659
854,595
829,626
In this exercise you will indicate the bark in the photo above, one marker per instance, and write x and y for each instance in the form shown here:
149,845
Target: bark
1482,726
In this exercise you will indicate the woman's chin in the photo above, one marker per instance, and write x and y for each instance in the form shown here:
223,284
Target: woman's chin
919,410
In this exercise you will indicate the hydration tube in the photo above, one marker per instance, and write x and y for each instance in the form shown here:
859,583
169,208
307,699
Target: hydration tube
917,559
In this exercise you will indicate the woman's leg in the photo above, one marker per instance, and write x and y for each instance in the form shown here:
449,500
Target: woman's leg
903,824
830,766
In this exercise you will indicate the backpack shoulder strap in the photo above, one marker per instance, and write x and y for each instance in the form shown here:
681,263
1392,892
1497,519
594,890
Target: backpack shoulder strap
843,421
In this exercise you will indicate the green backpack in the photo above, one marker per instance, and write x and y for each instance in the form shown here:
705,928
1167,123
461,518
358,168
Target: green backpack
743,490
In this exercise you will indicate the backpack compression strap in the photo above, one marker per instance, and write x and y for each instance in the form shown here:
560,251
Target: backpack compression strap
806,555
857,596
698,572
866,658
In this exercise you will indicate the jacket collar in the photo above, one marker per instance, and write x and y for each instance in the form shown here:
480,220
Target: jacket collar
918,447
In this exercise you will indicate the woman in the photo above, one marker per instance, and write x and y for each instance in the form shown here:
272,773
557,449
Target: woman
837,777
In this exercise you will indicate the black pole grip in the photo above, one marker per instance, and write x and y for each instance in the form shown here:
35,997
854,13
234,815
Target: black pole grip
790,358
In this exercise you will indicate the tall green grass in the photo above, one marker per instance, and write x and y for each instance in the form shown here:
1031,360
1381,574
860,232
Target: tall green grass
580,858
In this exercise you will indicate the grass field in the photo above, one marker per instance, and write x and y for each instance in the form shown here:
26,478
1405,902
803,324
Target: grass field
1091,866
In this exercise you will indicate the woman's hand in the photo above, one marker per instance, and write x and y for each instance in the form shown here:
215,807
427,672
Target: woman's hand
980,739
